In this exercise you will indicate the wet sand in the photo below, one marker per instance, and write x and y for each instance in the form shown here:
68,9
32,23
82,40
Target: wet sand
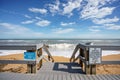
22,68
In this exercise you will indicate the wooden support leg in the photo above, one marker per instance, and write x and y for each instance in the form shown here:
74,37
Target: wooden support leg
81,54
93,69
40,54
87,69
31,68
48,57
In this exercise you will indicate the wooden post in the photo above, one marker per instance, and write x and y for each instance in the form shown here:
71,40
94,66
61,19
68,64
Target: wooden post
87,67
31,68
81,54
93,69
40,63
48,57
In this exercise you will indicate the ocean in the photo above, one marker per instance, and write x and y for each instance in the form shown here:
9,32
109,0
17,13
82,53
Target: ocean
58,47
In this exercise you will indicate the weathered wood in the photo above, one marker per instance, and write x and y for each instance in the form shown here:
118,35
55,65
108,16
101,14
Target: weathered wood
47,51
74,52
48,73
31,68
17,62
110,62
81,54
18,47
48,57
104,47
87,67
39,55
92,69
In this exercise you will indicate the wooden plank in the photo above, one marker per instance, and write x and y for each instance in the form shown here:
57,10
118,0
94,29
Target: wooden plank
51,77
95,77
77,77
103,77
117,77
17,62
59,77
110,62
64,77
18,47
104,47
72,77
90,77
68,77
98,77
109,77
85,77
81,77
112,77
55,77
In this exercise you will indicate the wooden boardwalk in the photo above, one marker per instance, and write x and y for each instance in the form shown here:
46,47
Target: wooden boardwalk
57,71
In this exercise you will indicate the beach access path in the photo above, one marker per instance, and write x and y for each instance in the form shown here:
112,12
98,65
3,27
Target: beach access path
57,71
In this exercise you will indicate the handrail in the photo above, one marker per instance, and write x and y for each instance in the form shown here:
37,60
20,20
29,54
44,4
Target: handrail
47,51
74,52
17,62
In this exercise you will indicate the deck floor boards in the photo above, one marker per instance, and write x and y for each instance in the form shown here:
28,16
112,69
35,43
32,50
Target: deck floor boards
57,71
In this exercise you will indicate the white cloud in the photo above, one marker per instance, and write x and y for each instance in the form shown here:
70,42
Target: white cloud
17,31
96,9
27,16
106,21
94,29
112,26
70,6
28,22
67,24
43,23
38,18
38,10
62,31
96,13
54,8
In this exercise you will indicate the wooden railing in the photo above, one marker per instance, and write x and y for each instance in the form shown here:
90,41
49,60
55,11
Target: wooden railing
83,57
31,64
41,56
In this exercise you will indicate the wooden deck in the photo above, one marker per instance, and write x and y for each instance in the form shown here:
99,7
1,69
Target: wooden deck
57,71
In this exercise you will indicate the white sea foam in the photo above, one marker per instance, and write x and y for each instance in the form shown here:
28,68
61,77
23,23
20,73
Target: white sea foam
9,52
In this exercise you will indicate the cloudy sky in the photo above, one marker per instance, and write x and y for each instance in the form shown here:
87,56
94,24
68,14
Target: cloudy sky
37,19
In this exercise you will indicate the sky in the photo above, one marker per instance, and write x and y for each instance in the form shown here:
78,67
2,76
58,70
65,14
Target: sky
38,19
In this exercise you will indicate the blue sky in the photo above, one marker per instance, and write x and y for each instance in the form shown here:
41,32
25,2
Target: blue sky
37,19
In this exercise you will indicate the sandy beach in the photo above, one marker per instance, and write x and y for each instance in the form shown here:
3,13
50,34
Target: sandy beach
22,68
